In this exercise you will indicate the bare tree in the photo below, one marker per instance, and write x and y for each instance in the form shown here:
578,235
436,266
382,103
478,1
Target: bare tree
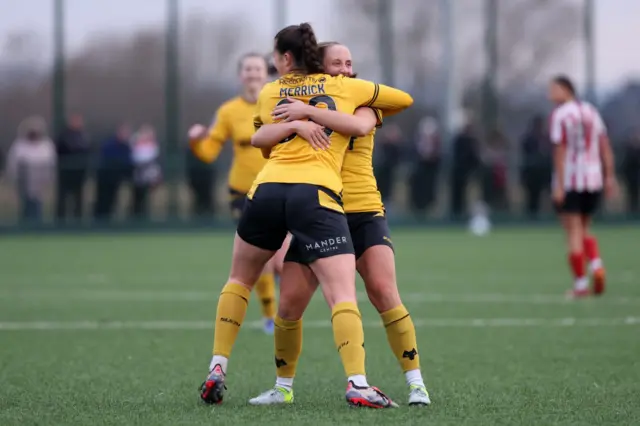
535,39
121,77
24,88
535,36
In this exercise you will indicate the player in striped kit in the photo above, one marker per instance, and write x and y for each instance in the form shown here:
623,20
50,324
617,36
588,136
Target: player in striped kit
583,168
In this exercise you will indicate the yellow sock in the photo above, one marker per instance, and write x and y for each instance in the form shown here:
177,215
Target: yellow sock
288,345
349,337
232,306
266,291
401,335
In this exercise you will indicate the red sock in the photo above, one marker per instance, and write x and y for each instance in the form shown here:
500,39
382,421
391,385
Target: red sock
576,261
590,245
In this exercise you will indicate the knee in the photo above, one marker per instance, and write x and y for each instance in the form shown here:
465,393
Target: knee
290,310
383,294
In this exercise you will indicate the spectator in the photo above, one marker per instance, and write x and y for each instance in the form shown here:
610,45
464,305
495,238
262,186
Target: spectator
425,174
201,181
536,164
114,168
145,155
631,172
31,163
73,150
465,163
495,159
390,145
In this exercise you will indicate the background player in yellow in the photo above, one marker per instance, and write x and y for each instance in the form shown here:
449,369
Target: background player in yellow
369,231
298,192
234,121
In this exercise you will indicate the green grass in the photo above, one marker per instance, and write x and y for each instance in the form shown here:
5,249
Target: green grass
520,366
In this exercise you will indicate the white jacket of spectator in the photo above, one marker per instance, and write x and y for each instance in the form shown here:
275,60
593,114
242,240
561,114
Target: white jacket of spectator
31,160
145,154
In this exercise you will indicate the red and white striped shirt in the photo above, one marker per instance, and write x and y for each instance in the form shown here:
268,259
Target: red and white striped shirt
579,126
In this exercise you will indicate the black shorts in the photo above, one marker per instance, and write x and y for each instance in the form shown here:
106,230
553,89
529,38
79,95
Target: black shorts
312,214
367,230
583,203
236,205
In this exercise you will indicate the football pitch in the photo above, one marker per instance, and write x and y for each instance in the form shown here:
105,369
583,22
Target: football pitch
117,330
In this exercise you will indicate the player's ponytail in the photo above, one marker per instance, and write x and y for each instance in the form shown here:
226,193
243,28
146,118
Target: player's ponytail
300,42
311,57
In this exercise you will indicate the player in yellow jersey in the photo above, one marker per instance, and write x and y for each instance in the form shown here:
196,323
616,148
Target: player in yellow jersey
234,121
298,191
370,235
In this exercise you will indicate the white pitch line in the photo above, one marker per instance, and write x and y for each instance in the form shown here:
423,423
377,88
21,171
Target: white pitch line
208,296
419,322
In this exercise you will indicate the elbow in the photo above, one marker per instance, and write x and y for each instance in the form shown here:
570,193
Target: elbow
402,102
407,101
201,153
256,142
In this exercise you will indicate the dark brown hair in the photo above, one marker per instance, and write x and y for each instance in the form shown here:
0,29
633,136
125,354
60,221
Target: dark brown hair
566,83
325,45
251,55
300,41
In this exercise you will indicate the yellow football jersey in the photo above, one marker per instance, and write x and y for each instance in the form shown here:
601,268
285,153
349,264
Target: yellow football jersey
360,192
233,122
293,160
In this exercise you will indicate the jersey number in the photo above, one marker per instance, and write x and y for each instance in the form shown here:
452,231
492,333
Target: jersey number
316,100
351,141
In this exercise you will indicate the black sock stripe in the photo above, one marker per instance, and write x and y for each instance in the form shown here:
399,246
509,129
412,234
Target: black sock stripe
344,311
398,320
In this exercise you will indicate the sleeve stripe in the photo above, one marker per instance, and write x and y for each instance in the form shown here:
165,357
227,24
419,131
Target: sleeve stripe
376,92
379,117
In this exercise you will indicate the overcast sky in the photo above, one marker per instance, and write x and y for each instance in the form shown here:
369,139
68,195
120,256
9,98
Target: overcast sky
617,29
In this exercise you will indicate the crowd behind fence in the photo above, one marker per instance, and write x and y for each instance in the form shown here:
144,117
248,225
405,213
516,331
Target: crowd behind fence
73,177
477,130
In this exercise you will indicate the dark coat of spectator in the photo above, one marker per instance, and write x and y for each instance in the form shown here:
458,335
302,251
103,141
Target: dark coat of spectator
424,178
201,178
74,151
535,172
631,173
114,169
495,160
389,144
465,161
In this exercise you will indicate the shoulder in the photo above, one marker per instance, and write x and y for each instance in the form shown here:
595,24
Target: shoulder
230,104
560,112
269,88
591,108
16,147
335,83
